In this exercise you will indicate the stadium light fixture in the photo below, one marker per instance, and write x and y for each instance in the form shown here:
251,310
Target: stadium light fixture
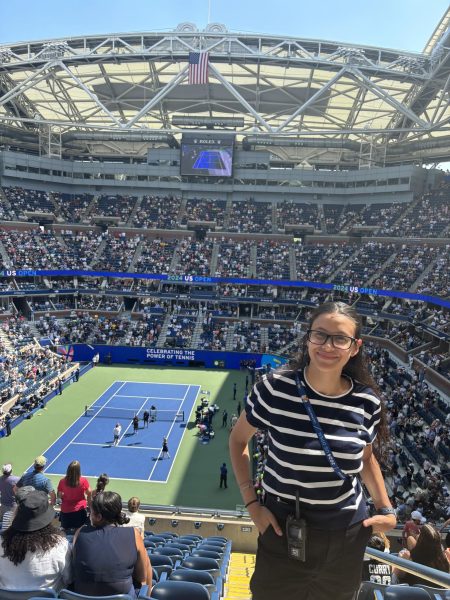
220,526
197,524
174,523
151,521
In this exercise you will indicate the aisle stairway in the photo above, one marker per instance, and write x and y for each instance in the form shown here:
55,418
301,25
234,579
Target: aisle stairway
240,570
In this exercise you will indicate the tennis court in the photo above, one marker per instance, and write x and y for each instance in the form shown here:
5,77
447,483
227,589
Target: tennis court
213,159
137,457
189,478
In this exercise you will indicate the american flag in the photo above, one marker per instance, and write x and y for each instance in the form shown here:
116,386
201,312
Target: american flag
198,67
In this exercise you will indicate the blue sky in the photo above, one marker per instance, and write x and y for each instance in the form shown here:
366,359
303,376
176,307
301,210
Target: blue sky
400,24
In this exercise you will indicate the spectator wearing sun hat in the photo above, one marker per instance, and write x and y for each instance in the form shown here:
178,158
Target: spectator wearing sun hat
48,564
7,483
38,480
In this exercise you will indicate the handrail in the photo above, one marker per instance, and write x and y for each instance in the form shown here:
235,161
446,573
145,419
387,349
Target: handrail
431,575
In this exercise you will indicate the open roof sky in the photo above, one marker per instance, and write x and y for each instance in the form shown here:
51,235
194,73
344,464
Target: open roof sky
400,24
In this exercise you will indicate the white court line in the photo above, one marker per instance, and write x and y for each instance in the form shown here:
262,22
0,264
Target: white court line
71,425
83,428
111,478
120,439
149,397
167,436
157,383
179,445
107,444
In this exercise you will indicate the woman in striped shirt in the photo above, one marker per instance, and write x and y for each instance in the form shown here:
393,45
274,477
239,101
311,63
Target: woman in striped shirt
331,374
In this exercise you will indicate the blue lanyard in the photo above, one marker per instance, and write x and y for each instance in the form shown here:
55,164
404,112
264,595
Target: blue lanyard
318,430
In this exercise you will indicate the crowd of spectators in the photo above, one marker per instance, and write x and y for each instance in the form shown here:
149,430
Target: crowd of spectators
204,209
158,212
426,217
22,200
235,258
193,257
27,371
248,216
273,259
73,208
114,206
298,213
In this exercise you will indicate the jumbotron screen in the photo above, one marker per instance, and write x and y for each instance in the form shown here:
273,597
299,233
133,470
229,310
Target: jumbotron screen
210,155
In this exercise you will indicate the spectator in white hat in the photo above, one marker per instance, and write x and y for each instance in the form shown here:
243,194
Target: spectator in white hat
7,483
412,527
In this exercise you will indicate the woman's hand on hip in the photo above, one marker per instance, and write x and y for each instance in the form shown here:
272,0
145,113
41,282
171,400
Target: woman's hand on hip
381,523
263,518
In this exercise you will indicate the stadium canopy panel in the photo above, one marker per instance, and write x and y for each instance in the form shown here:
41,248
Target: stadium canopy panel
315,103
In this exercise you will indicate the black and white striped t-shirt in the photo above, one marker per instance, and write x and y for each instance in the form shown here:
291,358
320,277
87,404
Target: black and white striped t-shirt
295,459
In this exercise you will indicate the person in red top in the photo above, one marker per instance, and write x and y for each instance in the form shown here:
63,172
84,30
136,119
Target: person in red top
75,493
412,527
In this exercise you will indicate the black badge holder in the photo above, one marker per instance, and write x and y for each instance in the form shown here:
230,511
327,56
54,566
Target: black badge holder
296,533
296,530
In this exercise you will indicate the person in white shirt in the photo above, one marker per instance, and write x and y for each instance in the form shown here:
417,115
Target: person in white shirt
48,564
116,432
137,519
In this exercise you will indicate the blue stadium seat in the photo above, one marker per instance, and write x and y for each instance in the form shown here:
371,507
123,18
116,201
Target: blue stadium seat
149,544
402,592
68,595
174,553
196,538
179,590
175,544
160,559
212,548
434,593
207,554
27,594
202,563
202,577
156,539
188,541
367,590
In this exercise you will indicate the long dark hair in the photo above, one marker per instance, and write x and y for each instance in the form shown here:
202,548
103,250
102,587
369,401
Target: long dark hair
102,482
428,549
73,474
16,544
356,367
108,505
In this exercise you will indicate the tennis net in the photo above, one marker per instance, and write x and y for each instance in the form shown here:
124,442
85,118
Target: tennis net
127,414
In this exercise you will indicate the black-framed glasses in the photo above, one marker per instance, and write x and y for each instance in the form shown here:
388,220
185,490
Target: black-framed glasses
342,342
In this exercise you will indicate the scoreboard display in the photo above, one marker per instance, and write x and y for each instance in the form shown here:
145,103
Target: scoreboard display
207,155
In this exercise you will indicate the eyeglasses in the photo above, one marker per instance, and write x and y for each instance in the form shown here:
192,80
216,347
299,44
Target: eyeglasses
342,342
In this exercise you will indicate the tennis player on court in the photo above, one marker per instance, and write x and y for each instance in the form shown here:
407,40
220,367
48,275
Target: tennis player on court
116,433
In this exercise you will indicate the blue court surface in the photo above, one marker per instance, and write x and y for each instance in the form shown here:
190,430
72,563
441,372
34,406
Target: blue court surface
137,457
218,161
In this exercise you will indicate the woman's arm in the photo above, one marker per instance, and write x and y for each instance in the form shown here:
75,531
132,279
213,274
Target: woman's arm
240,459
373,480
142,569
88,495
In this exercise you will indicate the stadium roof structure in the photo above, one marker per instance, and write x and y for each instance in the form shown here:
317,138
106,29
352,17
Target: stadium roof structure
312,102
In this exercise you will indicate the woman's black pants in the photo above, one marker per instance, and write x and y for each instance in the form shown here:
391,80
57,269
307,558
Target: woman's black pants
332,570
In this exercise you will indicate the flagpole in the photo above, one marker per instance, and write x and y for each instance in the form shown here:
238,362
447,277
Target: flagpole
209,12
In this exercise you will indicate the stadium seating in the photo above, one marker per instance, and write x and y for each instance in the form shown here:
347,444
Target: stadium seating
27,594
435,593
399,592
179,590
68,595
